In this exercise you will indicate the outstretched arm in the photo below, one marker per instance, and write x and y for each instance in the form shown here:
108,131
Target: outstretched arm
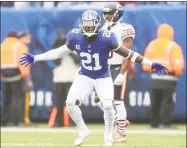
137,58
50,55
132,55
53,54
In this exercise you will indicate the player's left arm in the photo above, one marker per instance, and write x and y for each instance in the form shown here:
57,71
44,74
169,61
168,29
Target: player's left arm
137,58
133,56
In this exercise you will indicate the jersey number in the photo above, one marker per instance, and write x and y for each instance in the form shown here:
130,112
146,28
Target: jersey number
106,34
89,59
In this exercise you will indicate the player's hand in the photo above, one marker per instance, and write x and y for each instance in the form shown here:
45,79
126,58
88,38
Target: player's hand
119,79
160,69
26,59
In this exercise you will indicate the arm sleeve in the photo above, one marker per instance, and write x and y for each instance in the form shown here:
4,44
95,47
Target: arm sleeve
133,56
58,52
53,54
128,31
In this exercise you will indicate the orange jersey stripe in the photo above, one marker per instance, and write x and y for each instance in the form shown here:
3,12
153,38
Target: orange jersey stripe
124,85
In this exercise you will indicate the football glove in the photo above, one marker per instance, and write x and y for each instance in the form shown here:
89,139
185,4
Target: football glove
119,79
160,69
27,59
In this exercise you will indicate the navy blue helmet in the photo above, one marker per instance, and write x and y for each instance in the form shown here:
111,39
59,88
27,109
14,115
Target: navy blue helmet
90,23
114,9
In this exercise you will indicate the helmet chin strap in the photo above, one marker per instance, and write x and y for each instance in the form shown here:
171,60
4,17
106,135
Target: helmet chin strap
90,34
114,15
111,24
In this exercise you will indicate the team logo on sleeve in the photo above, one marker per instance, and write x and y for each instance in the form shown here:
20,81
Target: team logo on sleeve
77,47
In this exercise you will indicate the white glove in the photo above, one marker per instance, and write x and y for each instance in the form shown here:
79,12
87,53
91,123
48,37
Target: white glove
119,79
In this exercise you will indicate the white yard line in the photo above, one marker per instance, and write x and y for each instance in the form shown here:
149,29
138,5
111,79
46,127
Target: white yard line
44,145
94,131
13,145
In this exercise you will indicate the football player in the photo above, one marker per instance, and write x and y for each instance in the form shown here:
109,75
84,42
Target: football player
119,67
93,47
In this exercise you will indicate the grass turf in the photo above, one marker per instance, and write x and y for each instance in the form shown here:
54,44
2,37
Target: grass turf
38,139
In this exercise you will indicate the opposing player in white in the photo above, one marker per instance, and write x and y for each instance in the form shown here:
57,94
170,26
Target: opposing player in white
93,46
125,33
119,67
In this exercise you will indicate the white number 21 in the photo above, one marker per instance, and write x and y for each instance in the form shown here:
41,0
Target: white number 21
88,61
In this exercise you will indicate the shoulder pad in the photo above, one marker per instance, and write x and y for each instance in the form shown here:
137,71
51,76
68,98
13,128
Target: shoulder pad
128,31
72,33
123,24
75,30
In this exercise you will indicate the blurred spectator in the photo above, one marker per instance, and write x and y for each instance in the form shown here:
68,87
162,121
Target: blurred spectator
89,4
21,5
48,4
63,4
13,76
74,5
27,4
36,4
166,51
7,4
63,76
161,3
25,40
128,3
152,3
176,3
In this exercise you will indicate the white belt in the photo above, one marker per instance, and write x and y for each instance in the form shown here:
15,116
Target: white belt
11,79
9,66
166,77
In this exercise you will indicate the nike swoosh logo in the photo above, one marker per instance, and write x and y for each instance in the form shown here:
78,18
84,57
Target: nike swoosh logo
117,68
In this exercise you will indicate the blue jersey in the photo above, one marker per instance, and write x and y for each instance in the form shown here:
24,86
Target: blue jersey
93,54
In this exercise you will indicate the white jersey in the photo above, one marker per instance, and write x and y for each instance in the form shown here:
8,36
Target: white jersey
121,31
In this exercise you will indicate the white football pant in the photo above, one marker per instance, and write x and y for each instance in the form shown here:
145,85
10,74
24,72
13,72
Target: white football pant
80,90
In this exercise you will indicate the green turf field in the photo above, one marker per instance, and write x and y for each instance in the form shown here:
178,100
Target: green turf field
139,136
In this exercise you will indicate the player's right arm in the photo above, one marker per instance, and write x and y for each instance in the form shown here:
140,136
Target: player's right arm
52,54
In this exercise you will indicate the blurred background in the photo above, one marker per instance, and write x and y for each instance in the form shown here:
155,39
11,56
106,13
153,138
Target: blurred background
45,25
